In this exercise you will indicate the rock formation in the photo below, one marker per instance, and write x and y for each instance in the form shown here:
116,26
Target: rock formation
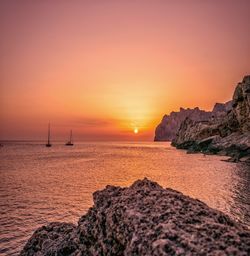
144,219
222,108
226,135
170,124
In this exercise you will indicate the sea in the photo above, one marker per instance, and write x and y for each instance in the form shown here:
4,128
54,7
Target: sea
39,185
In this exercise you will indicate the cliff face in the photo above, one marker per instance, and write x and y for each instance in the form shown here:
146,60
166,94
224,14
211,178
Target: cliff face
226,135
222,108
170,124
144,219
241,105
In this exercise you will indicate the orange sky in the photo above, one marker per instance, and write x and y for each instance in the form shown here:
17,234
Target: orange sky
103,68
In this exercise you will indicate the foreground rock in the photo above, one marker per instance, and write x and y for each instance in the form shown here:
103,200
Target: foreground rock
225,135
144,219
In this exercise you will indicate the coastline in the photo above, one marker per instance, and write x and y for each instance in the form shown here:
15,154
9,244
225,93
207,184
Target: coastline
225,132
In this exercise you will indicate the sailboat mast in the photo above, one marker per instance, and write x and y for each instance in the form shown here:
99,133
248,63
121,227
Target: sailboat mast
49,133
70,136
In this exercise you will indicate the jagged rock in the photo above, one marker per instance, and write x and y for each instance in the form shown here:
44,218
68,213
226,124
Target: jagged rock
241,104
227,134
170,124
54,239
222,107
144,219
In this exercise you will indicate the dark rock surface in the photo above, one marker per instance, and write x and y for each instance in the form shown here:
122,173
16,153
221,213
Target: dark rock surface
222,108
226,135
144,219
170,124
54,239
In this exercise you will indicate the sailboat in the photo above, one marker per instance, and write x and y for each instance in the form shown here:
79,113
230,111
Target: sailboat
70,142
48,143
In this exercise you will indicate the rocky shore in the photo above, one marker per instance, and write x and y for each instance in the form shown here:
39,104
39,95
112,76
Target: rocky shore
170,124
143,219
228,135
224,131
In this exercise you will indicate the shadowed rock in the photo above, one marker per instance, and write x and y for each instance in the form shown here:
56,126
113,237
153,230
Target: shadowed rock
54,239
144,219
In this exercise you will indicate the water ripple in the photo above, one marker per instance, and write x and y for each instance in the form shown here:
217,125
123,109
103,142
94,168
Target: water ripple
40,185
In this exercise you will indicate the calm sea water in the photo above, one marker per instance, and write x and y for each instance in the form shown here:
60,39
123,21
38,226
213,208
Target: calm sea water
40,185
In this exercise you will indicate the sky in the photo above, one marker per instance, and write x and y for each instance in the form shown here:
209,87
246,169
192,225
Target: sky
104,68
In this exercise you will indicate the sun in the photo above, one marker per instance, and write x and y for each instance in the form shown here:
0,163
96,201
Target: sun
136,130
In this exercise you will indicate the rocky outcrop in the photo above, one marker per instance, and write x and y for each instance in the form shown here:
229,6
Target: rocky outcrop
222,108
170,124
226,135
54,239
241,105
144,219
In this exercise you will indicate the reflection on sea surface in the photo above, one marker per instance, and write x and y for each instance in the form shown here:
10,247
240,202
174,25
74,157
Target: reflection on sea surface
241,194
40,184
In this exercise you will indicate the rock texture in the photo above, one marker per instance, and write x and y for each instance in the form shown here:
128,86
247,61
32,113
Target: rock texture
144,219
54,239
222,108
170,124
226,135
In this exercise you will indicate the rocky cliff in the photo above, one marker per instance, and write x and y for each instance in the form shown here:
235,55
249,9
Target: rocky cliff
144,219
227,135
170,124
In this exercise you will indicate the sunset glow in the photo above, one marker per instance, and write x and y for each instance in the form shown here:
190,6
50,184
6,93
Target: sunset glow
103,67
103,105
